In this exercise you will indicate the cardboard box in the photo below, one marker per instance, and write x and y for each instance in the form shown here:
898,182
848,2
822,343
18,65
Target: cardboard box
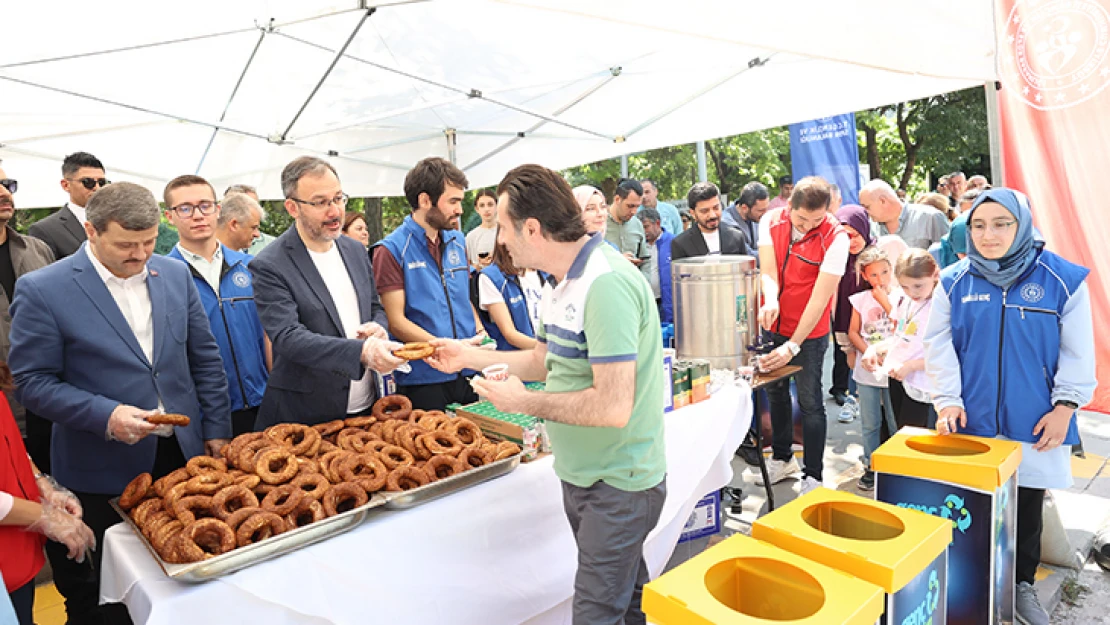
705,519
668,380
524,430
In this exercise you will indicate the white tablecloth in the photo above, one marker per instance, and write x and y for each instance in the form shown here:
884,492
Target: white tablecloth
498,553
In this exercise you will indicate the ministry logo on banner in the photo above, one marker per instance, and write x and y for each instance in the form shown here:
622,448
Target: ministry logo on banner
1056,53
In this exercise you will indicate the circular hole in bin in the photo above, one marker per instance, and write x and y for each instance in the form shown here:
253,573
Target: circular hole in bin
765,589
853,520
946,446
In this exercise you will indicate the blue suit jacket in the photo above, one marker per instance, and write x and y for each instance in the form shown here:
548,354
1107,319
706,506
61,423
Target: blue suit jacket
314,362
75,359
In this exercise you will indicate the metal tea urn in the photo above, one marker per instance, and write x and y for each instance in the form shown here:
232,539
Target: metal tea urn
716,306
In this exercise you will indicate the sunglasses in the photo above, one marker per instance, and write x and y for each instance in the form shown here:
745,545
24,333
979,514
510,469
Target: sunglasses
9,184
92,183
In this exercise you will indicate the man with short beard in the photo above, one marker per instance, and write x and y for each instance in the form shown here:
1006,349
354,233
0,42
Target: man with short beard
19,255
424,281
316,297
708,238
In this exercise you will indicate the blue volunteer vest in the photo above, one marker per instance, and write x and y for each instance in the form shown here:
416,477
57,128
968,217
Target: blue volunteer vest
234,320
513,294
1007,390
436,300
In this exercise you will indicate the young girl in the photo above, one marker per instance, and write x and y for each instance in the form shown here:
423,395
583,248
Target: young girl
871,325
903,357
511,300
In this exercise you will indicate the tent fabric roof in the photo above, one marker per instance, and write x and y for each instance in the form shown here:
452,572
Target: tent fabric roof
234,90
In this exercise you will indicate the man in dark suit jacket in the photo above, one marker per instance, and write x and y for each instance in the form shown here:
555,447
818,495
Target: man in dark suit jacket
64,231
98,341
708,237
316,296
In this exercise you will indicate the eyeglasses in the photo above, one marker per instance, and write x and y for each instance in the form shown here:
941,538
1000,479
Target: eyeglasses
998,227
9,184
205,208
92,183
339,200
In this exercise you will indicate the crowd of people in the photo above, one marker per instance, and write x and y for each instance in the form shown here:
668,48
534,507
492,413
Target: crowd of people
921,304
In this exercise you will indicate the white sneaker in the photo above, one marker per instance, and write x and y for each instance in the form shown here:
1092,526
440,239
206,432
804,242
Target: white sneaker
807,484
778,470
849,411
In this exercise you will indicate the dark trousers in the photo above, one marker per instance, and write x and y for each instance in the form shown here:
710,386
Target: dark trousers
438,396
810,400
38,440
1030,522
242,421
841,373
79,582
907,410
610,526
23,600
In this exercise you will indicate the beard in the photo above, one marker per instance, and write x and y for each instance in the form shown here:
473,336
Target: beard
439,220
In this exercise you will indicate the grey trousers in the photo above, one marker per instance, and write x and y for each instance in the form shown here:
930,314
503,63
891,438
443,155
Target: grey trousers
610,526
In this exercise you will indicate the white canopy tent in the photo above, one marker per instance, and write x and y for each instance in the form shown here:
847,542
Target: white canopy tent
234,90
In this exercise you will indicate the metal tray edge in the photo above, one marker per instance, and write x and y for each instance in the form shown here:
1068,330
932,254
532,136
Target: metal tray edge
412,498
244,557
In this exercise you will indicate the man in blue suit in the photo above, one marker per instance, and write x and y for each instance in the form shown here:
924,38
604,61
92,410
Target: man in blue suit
316,296
99,340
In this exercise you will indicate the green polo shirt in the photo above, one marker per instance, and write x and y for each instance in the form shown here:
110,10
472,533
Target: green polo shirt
604,312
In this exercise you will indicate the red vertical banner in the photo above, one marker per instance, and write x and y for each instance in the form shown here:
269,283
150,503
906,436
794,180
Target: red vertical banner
1054,109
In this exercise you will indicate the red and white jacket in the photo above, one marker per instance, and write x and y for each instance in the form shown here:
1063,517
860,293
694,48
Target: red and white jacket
796,266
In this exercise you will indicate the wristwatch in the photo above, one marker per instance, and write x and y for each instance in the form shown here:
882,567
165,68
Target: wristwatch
793,347
1068,404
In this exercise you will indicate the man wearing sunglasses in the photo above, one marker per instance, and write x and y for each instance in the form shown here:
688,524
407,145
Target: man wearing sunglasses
20,255
64,231
226,292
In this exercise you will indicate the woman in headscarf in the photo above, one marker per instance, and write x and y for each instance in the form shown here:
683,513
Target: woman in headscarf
595,210
952,247
1013,306
855,222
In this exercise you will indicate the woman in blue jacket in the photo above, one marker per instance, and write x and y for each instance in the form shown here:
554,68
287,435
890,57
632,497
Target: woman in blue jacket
511,300
1010,353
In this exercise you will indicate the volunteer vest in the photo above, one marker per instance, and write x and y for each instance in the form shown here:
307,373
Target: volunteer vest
436,299
20,551
517,303
236,326
1008,389
797,265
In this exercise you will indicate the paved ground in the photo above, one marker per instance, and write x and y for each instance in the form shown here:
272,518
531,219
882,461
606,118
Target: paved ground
1080,594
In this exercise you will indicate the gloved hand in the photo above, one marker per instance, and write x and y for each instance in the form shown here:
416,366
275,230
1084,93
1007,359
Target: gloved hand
59,496
127,424
61,526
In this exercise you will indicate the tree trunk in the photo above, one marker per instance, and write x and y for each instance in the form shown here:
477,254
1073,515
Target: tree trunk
720,167
911,148
374,219
871,136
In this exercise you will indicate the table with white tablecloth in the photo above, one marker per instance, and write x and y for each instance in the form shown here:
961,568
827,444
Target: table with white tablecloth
498,553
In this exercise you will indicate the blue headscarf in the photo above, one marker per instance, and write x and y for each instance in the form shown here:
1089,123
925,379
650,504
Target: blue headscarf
1003,272
953,243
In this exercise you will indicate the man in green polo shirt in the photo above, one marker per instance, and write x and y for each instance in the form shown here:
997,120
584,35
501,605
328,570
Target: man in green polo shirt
600,352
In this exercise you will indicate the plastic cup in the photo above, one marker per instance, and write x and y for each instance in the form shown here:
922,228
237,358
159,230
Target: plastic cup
496,373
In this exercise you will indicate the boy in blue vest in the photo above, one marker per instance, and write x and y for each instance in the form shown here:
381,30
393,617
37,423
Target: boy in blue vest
423,279
224,283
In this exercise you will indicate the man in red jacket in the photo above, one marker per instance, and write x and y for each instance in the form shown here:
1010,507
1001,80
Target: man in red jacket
803,252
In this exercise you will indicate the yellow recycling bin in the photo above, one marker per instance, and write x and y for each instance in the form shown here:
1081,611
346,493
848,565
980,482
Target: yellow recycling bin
971,482
899,550
743,581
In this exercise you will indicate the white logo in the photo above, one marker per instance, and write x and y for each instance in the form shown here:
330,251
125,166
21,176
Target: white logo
453,257
419,264
1032,293
241,279
1055,52
975,297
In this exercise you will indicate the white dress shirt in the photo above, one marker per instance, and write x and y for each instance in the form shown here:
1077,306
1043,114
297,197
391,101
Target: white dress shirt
342,290
78,211
133,298
210,270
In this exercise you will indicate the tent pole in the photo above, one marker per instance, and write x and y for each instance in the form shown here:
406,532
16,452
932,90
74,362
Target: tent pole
451,140
235,90
998,171
624,165
334,61
703,175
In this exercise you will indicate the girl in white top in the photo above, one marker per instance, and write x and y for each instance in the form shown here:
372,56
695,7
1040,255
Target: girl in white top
903,357
870,326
